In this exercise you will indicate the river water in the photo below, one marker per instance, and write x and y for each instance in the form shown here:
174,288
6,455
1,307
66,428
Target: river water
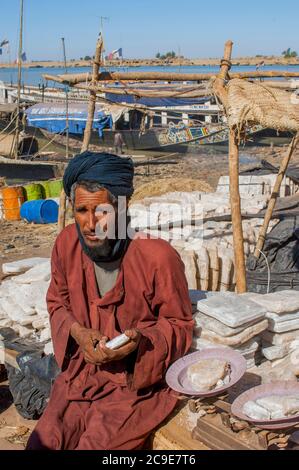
33,76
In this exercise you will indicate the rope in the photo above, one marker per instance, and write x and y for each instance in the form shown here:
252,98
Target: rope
12,120
6,135
50,142
269,271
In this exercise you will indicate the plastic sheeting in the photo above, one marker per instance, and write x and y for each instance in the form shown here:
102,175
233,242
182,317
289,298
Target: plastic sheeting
282,252
52,117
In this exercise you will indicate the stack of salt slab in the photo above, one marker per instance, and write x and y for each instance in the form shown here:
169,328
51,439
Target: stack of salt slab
282,335
23,299
228,319
206,247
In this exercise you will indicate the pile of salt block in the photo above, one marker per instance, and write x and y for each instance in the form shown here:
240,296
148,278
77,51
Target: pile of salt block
259,184
282,335
206,247
263,328
23,299
229,319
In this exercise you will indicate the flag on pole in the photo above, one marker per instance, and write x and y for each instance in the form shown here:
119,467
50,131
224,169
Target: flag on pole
117,54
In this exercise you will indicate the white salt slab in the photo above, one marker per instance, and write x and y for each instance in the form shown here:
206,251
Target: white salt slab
41,272
279,339
272,353
23,331
282,318
239,339
283,327
231,309
45,335
207,323
40,323
279,302
48,349
12,310
22,266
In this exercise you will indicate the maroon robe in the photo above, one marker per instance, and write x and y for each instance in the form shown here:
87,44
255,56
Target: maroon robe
117,405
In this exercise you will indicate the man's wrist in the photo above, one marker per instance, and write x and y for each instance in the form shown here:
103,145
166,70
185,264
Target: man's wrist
76,330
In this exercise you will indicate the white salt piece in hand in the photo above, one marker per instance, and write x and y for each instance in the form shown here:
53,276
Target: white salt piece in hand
254,411
206,373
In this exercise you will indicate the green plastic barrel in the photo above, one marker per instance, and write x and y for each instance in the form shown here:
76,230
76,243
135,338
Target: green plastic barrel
45,189
55,188
33,192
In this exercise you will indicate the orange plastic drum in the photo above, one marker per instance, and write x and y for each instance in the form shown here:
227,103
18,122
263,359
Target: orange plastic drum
13,198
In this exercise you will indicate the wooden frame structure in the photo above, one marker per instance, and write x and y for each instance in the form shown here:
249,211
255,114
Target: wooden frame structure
219,87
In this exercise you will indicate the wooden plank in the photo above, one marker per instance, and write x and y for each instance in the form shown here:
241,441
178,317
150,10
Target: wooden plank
163,76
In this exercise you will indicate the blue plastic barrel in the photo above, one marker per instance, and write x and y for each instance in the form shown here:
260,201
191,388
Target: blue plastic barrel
40,211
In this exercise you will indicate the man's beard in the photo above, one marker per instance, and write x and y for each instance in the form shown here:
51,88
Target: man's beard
108,250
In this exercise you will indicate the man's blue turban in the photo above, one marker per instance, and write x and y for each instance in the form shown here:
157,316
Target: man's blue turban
114,173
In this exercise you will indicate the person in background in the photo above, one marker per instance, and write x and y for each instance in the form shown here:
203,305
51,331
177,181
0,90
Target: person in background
118,143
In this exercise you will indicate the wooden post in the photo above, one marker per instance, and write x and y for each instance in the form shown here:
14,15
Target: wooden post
219,88
235,201
88,128
62,212
93,95
275,195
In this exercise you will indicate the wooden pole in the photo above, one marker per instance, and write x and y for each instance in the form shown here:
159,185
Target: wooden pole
235,201
93,95
73,79
87,132
62,212
274,196
219,88
16,144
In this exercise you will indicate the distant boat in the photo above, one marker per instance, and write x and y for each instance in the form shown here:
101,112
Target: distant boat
139,132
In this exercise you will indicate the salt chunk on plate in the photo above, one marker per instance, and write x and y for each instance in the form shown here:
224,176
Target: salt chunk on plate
206,373
254,411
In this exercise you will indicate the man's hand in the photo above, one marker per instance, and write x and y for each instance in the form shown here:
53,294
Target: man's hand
87,340
106,355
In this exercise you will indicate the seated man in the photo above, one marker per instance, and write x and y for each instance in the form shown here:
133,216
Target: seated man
101,287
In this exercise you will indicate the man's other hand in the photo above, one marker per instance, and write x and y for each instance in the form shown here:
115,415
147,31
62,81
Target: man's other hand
87,340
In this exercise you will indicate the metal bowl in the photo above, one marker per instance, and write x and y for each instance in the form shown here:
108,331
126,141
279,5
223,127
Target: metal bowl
283,388
176,376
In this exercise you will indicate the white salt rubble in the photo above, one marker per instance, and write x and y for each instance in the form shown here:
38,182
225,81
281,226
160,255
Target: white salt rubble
19,267
23,304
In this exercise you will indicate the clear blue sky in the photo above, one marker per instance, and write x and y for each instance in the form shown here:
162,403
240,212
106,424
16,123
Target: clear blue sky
144,27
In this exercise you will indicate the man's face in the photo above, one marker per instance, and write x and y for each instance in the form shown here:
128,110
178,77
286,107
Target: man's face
92,210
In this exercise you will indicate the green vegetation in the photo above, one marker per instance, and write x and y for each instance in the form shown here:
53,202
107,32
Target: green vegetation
288,54
168,55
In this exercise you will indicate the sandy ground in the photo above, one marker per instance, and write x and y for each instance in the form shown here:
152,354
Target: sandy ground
20,240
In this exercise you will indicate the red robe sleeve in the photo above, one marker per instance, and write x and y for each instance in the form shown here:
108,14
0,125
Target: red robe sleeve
61,318
170,337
